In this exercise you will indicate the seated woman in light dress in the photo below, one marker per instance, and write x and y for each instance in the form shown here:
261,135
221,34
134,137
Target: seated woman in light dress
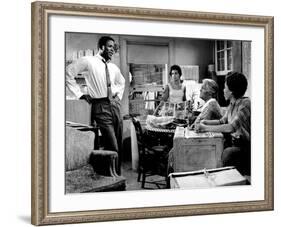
211,109
174,92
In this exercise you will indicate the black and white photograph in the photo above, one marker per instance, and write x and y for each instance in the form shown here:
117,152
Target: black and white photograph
140,113
149,112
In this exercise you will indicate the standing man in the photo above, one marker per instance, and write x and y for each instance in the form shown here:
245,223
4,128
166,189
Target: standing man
105,90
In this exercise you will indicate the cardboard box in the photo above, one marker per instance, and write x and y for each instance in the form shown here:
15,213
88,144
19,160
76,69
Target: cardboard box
207,178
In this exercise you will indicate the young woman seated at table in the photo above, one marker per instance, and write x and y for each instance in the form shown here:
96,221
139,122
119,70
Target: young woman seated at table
211,109
236,122
174,92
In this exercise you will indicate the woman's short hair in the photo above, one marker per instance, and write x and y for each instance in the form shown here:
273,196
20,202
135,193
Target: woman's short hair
211,87
175,67
237,84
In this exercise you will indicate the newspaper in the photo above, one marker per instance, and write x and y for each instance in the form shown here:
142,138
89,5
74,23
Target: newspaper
193,134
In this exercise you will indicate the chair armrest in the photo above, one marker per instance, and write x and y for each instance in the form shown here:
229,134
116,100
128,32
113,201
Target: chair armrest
78,147
104,162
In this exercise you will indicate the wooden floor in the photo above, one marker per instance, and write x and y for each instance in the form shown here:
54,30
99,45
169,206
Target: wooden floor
132,183
131,178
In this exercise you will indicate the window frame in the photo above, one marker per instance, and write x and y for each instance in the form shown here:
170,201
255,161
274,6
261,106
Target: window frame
224,50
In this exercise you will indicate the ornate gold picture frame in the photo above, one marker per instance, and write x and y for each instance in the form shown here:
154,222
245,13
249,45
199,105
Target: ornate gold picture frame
42,214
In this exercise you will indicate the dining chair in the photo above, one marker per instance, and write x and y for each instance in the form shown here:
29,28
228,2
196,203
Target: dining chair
152,159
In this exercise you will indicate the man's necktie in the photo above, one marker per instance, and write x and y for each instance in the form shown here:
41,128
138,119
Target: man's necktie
108,83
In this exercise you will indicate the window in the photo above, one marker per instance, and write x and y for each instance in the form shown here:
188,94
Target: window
147,74
147,65
224,57
146,84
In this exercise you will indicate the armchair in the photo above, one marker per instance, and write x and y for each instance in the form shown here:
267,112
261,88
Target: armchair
86,169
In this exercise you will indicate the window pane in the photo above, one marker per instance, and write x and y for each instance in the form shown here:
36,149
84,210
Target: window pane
221,64
220,45
220,55
146,84
147,73
229,44
229,59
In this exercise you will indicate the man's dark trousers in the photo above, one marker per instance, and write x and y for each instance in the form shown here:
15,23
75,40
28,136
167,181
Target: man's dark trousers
107,115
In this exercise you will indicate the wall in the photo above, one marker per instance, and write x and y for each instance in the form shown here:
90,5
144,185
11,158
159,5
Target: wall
195,52
16,111
79,41
83,41
185,52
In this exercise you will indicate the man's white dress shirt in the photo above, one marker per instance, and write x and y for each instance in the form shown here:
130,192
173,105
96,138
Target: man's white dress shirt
95,77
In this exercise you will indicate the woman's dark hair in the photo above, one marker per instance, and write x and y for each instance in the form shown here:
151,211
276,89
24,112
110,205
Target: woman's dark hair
103,40
175,67
237,84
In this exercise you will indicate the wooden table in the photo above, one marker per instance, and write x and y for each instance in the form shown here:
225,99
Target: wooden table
195,151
